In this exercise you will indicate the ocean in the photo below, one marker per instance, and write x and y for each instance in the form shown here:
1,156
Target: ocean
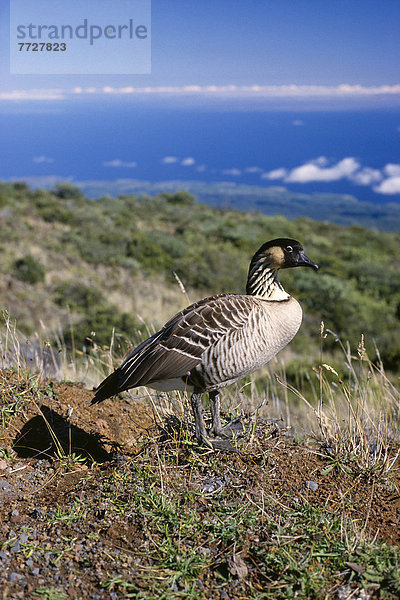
112,140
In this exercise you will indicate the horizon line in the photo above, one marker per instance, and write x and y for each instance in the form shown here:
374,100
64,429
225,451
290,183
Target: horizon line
343,90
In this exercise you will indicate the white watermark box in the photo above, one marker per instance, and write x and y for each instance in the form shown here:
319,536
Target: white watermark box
50,37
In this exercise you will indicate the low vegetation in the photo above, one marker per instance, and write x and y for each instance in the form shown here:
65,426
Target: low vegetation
83,268
106,503
117,500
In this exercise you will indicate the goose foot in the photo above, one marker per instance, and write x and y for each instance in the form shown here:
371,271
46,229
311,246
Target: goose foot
231,429
217,444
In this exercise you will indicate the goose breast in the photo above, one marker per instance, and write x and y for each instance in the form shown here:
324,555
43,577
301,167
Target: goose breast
269,327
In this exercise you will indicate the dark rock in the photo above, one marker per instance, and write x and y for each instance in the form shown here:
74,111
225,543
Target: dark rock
16,547
311,485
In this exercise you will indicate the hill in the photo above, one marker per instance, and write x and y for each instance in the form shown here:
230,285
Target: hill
76,268
343,209
118,500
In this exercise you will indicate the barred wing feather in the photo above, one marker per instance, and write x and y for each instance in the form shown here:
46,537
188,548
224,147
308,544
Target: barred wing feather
178,347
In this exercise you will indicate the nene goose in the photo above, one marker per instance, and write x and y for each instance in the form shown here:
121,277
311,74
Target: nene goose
218,340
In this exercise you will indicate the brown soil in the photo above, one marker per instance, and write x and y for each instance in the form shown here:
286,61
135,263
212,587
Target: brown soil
36,485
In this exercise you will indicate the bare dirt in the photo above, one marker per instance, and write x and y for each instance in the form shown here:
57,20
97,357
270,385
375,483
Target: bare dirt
59,528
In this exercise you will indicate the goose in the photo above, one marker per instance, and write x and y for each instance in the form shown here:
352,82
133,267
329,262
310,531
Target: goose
218,340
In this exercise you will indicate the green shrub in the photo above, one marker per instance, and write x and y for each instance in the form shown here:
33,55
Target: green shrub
29,270
3,200
67,191
179,197
149,253
50,208
77,296
99,326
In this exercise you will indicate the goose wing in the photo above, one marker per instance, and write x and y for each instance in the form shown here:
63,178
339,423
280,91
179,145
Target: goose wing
178,347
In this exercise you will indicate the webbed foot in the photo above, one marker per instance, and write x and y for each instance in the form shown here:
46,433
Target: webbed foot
217,444
234,428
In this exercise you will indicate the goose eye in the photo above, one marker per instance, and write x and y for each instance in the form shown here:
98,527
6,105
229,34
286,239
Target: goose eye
289,248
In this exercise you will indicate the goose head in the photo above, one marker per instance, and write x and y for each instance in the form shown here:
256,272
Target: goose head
281,253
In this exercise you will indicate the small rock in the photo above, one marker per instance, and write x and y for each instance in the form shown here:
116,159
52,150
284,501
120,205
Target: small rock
23,538
3,464
37,513
35,572
5,486
14,577
16,547
15,516
311,485
237,566
3,556
356,567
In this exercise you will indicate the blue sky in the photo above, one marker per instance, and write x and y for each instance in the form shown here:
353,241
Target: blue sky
317,47
253,55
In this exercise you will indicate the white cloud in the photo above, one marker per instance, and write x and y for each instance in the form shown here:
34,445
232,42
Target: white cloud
298,123
389,186
117,162
264,91
272,91
253,170
322,161
312,171
42,159
188,162
348,168
169,160
366,176
275,174
44,94
201,168
232,172
392,170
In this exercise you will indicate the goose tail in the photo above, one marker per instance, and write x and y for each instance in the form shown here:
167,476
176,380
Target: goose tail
109,387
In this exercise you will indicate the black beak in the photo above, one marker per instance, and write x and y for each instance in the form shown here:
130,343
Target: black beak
304,261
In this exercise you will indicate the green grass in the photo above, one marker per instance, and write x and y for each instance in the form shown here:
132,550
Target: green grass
303,552
169,521
51,593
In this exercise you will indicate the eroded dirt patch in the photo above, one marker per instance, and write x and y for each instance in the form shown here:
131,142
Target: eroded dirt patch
142,517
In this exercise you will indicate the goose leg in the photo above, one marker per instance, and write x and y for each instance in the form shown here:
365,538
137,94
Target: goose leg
233,428
216,427
200,429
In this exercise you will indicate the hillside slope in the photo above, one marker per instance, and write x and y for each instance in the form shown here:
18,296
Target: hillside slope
107,264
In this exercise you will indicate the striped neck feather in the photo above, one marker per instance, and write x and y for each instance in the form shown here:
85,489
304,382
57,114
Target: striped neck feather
263,281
